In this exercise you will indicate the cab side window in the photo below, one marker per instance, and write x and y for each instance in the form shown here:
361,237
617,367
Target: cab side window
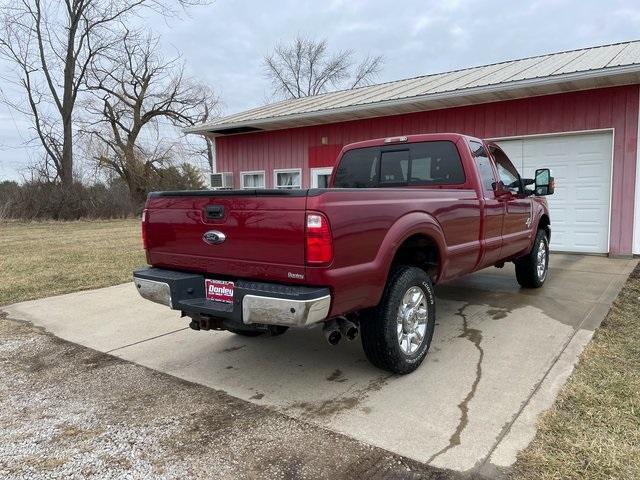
483,164
508,174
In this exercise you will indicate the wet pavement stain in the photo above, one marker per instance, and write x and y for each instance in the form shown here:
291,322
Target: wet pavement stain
501,303
475,336
327,408
233,349
337,376
498,313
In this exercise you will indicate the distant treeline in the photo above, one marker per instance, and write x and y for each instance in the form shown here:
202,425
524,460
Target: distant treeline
42,200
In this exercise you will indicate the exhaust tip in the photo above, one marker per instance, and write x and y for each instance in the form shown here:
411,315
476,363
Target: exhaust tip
351,333
334,337
348,328
332,332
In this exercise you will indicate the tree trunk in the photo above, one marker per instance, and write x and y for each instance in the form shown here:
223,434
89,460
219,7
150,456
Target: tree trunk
137,196
66,173
68,101
210,158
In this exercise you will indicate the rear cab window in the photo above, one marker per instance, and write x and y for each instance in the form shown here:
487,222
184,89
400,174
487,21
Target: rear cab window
432,163
394,167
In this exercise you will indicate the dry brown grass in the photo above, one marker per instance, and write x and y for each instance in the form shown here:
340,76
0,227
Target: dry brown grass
593,430
40,259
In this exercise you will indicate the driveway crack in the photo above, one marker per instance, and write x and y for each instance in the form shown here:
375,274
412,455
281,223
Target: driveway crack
475,336
145,340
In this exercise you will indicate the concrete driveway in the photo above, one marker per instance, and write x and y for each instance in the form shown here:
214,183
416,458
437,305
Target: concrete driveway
498,358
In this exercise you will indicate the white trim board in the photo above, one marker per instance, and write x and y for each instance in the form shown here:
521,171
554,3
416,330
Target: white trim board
635,247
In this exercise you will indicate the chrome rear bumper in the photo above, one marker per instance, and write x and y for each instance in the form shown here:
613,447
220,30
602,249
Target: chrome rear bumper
254,302
158,292
284,311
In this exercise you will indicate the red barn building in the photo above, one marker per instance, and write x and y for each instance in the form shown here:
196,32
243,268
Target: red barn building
575,112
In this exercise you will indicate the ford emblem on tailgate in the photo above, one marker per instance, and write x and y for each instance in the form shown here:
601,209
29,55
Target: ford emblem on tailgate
214,237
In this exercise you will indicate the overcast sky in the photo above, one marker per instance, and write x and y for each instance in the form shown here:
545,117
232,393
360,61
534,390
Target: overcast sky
224,43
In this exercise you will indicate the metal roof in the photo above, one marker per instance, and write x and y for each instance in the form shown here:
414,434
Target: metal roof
594,67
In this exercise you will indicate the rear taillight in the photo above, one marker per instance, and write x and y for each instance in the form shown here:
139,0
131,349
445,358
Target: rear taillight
319,241
144,229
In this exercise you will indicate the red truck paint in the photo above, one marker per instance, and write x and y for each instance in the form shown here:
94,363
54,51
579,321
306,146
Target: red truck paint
266,232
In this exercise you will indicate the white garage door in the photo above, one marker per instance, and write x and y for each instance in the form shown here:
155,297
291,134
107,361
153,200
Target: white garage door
581,165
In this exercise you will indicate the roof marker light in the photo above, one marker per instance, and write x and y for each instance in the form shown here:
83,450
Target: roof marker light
395,139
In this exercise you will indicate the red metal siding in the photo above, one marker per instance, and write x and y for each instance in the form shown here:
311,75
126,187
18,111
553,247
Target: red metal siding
323,155
615,108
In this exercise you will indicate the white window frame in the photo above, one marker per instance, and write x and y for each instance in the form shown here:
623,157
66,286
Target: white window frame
253,172
286,170
316,172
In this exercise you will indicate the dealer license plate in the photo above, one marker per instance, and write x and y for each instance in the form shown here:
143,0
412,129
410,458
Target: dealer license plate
219,290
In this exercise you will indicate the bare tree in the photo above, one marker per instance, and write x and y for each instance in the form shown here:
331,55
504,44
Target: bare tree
306,67
137,97
50,45
208,108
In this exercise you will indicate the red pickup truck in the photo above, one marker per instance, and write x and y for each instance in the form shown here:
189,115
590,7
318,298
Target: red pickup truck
362,256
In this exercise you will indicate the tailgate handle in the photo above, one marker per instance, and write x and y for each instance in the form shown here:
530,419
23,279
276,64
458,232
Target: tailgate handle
214,211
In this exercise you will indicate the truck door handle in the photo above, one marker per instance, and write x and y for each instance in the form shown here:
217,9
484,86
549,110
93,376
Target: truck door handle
214,211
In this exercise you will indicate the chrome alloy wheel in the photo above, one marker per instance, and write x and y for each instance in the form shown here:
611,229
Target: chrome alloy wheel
541,260
412,320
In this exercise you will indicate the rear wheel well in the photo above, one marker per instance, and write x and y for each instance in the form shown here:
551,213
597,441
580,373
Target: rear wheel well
419,251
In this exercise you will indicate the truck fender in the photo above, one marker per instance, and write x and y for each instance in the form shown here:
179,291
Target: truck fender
412,223
540,211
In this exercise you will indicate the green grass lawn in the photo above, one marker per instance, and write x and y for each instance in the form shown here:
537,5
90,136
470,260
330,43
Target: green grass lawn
593,429
39,259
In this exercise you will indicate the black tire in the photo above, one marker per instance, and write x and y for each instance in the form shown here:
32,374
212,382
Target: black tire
378,326
527,272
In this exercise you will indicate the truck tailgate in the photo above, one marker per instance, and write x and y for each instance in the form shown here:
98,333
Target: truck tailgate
263,232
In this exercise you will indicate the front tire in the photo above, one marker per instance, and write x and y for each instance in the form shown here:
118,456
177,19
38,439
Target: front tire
532,269
396,335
